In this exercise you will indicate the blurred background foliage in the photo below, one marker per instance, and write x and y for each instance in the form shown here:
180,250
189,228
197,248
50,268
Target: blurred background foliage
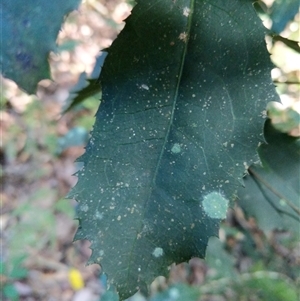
43,134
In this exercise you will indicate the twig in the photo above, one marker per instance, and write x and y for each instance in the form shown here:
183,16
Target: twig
278,194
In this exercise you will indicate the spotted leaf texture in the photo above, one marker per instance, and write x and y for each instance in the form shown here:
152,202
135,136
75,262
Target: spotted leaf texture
28,33
184,87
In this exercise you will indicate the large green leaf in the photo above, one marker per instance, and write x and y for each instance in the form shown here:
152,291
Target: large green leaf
184,87
29,30
271,192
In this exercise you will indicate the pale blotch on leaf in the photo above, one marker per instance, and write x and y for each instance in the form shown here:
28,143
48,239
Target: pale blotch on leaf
282,202
215,205
99,215
84,208
176,149
158,252
186,11
183,37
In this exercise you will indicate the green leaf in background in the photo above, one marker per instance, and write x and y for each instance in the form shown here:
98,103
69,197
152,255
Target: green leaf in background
184,87
76,136
219,260
284,119
18,271
10,292
86,87
178,292
282,12
110,295
29,31
260,285
266,286
273,188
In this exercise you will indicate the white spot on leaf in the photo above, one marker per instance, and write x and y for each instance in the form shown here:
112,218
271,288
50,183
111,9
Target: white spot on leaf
99,215
158,252
186,11
176,148
215,205
84,208
183,37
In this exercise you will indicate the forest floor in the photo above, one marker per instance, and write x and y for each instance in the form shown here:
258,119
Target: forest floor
37,155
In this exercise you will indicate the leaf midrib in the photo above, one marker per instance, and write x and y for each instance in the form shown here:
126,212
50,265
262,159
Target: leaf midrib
184,53
189,24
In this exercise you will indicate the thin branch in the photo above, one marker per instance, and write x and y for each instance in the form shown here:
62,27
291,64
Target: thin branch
287,82
290,43
278,194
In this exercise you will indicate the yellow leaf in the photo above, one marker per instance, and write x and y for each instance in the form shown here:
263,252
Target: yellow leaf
75,279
